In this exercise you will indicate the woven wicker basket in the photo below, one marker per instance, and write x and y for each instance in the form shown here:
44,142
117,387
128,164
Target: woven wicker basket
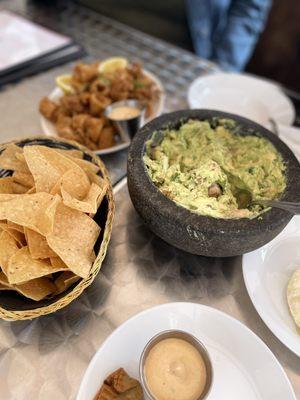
13,307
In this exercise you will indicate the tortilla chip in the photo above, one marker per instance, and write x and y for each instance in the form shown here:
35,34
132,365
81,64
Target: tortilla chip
293,296
39,234
31,190
8,248
72,153
23,178
36,289
47,166
16,227
20,156
73,239
38,246
64,281
3,280
93,256
22,267
104,185
101,194
75,182
8,159
58,262
17,188
90,203
8,196
46,220
98,180
3,287
88,166
6,185
34,211
18,236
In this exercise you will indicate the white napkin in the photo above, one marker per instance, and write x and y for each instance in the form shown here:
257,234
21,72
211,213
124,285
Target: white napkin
291,137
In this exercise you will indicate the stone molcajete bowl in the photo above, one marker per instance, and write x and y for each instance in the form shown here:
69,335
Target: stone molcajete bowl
198,234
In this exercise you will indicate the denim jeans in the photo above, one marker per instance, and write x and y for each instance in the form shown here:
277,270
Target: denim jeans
226,31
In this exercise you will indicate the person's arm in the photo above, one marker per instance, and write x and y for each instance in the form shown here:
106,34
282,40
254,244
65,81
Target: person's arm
234,45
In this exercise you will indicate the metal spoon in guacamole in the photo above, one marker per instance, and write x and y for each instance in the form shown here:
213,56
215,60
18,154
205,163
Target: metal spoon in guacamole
244,200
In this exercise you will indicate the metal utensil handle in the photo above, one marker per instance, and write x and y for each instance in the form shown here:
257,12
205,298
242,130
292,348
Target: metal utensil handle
293,208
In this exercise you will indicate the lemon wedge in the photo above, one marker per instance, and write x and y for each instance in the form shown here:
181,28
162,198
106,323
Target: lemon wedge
64,83
113,64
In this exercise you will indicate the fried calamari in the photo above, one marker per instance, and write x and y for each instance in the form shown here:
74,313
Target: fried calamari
79,114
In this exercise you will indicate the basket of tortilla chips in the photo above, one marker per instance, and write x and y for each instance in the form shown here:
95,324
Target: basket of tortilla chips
56,212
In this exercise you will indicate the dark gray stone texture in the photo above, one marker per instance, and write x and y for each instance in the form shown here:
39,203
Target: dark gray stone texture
200,234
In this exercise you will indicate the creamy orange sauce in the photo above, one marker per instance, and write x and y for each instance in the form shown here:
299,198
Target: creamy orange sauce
124,113
175,370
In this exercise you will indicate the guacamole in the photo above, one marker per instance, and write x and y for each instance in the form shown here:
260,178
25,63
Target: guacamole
200,167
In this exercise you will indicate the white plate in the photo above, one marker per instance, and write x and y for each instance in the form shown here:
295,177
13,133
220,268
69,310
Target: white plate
50,130
291,136
244,368
242,94
266,274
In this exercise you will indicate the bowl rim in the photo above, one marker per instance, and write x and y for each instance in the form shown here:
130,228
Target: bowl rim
169,209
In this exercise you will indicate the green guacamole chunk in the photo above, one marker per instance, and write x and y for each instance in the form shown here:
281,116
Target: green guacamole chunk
200,168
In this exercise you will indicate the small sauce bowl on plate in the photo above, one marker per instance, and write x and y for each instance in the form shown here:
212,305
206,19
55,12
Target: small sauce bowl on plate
175,365
127,116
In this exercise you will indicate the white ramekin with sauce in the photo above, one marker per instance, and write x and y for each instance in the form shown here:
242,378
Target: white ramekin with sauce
127,116
175,365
